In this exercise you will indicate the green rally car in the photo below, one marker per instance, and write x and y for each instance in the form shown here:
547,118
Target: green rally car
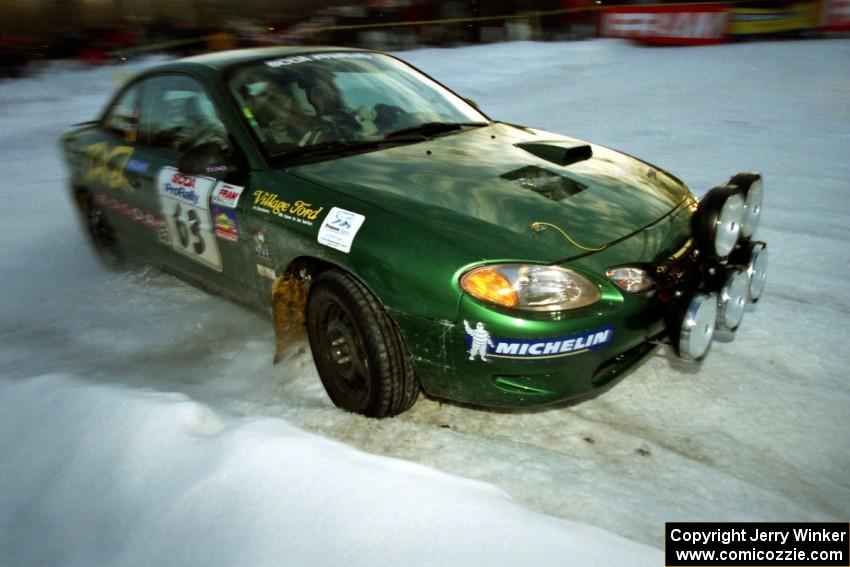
422,244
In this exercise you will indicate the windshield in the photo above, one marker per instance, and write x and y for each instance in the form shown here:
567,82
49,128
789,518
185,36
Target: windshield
299,102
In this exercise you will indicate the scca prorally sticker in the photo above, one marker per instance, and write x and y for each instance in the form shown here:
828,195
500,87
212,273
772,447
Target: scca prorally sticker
226,195
339,229
184,201
481,344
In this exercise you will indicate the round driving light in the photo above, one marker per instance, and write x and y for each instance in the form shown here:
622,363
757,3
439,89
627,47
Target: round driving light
752,206
732,300
728,225
718,221
753,190
757,271
697,327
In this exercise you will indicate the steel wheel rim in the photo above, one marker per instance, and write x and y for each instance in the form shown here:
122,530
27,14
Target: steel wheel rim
343,350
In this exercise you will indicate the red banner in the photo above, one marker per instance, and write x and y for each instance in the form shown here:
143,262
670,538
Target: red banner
692,24
835,15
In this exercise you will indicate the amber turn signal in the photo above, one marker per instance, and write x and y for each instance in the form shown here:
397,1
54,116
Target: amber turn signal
488,284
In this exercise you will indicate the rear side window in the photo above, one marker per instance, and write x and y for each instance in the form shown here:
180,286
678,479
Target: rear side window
178,115
123,117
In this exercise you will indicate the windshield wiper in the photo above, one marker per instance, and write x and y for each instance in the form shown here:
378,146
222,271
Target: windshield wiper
429,129
330,147
405,135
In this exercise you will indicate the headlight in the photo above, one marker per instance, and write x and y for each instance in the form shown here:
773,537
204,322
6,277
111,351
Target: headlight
529,286
634,280
718,221
753,190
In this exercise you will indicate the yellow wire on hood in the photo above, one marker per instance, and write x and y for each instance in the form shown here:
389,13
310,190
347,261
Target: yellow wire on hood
539,225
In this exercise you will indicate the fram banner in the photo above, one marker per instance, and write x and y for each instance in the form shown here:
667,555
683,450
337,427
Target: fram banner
692,24
835,15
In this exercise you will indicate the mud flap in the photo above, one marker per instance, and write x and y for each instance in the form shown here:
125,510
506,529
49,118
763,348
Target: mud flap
289,300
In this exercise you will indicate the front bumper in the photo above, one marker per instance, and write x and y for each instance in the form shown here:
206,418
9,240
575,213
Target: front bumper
501,358
536,362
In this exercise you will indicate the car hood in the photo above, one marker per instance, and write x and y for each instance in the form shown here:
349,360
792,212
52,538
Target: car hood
482,188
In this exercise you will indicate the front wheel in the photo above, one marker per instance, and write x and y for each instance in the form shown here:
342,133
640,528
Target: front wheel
359,353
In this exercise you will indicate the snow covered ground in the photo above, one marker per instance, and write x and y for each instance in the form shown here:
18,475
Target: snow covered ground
141,420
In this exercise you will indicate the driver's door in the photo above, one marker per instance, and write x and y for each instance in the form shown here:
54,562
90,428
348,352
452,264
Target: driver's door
199,241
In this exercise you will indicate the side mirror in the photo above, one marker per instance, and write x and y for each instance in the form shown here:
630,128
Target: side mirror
206,159
471,103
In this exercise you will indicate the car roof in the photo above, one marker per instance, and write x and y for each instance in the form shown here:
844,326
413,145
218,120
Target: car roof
219,60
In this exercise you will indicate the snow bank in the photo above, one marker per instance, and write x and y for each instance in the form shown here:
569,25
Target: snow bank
113,476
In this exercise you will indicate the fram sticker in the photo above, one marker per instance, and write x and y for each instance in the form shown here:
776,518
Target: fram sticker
225,224
226,195
482,345
339,229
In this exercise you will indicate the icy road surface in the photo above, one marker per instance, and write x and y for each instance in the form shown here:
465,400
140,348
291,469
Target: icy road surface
760,431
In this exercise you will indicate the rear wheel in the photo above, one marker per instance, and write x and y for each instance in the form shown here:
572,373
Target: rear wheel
101,233
359,352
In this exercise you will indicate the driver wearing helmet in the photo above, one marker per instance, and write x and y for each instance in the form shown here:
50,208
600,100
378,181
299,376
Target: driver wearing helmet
280,119
338,121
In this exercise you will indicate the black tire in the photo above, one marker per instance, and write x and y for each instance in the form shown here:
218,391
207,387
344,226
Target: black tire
101,233
359,352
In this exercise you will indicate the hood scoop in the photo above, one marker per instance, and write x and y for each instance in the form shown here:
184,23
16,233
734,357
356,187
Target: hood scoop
558,152
545,183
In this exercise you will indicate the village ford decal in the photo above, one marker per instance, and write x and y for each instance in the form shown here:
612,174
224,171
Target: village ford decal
480,344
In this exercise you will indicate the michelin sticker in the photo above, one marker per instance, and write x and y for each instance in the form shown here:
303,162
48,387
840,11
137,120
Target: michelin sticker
339,229
226,195
481,344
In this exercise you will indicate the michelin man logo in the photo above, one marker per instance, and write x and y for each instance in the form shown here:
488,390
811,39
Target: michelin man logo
480,340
